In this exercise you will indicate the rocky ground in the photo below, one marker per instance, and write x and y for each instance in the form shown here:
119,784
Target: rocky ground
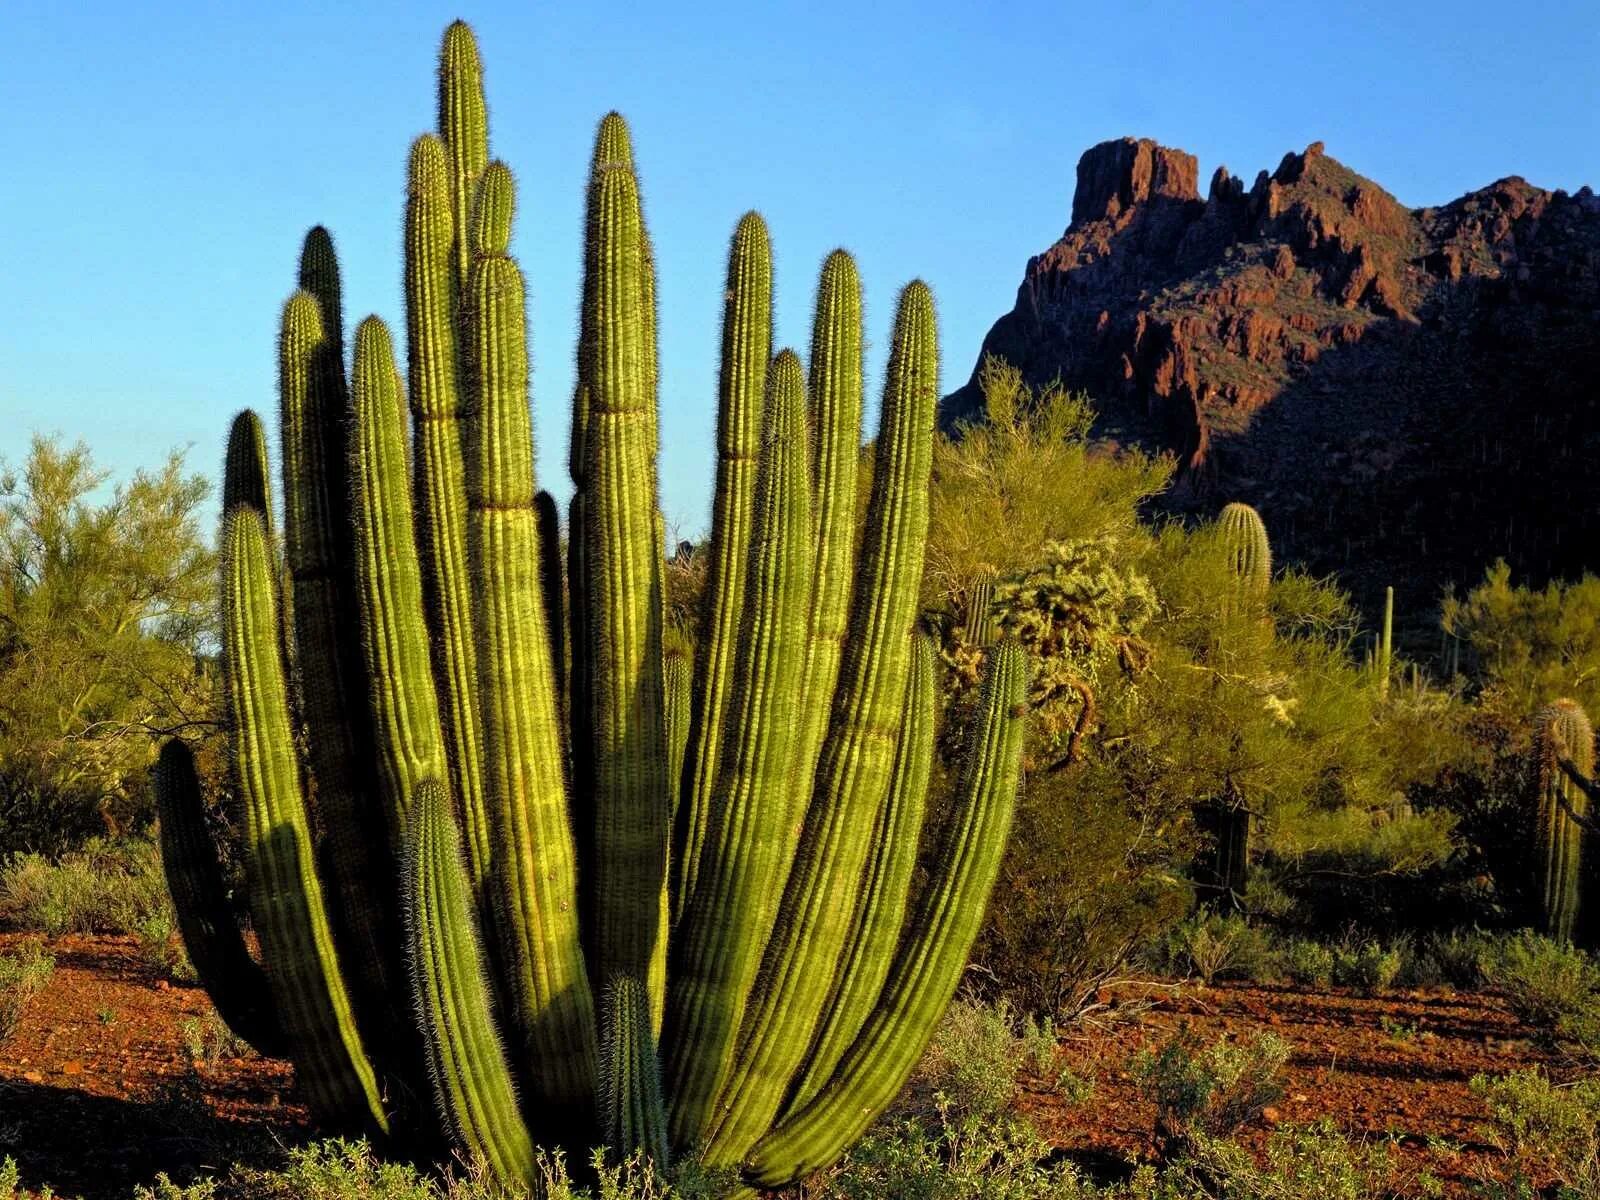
100,1088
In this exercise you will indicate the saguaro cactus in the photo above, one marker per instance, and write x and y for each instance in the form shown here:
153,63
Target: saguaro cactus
1563,731
1244,538
535,756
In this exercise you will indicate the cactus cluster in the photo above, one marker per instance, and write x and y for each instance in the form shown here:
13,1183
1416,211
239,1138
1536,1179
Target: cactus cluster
1562,731
529,875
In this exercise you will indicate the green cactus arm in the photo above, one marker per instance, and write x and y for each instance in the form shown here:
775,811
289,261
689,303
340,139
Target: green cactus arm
835,393
632,1115
1564,746
534,883
552,585
678,690
881,911
1244,539
286,900
438,396
623,619
980,629
245,474
394,633
857,758
319,275
472,1083
753,829
464,129
746,345
236,983
493,210
1386,642
327,643
933,953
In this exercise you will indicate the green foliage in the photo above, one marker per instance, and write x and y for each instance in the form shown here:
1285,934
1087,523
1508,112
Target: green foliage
1314,1160
1308,963
1208,1091
1552,987
104,887
105,608
1212,946
23,974
1549,1133
973,1064
1367,965
1532,645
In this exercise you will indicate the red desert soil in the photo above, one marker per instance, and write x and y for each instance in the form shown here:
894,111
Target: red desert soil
97,1092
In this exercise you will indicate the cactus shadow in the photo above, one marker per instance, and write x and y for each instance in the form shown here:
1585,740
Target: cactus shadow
98,1147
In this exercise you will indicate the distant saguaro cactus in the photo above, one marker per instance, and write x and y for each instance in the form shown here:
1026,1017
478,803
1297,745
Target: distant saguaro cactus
1244,538
1562,731
722,851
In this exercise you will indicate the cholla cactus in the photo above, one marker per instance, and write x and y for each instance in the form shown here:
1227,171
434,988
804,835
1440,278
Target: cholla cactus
723,849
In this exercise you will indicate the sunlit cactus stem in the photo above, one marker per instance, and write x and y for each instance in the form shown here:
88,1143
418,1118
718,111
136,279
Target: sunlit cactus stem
1244,540
1563,731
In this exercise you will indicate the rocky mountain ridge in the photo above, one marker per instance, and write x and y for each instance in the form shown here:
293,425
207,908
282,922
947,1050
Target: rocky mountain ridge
1406,394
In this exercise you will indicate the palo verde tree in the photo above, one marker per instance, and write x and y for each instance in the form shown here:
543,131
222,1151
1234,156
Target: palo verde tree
511,914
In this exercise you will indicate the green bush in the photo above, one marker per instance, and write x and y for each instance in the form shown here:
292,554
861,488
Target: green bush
23,975
972,1067
1367,965
1213,946
105,887
1552,987
1308,963
1301,1162
1549,1133
1211,1090
341,1170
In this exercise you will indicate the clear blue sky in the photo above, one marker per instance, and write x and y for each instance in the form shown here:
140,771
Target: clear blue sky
158,166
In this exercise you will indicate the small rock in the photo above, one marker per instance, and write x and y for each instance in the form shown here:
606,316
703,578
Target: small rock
72,1067
1270,1115
33,1076
162,985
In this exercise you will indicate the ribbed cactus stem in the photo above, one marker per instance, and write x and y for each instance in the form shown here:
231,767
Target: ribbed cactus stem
394,632
677,696
535,879
238,987
286,898
1563,730
933,950
623,618
881,912
245,478
493,211
751,833
552,585
1386,643
464,129
1244,540
472,1083
318,550
857,760
980,629
746,345
632,1115
438,394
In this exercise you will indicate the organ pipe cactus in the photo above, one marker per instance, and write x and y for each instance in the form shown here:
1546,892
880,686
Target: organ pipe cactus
580,857
1562,732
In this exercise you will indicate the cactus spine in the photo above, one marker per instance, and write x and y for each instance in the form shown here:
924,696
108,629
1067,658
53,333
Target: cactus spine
720,849
1563,729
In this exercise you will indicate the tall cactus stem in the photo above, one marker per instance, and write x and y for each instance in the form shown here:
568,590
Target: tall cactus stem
632,1115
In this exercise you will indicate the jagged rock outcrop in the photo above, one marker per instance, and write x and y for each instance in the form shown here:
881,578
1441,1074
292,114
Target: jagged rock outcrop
1406,394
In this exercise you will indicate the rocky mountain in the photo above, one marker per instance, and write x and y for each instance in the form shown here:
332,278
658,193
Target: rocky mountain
1405,394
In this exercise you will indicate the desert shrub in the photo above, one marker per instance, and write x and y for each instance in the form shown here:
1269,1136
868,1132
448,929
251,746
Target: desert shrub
1460,958
975,1059
1308,962
105,887
341,1170
971,1159
23,975
1211,1090
1214,946
1314,1160
208,1039
1552,987
1549,1133
1367,965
